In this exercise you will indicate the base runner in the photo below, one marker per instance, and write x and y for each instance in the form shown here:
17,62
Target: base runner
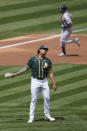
41,67
66,25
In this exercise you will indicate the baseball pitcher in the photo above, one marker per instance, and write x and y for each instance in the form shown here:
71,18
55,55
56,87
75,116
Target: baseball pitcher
40,67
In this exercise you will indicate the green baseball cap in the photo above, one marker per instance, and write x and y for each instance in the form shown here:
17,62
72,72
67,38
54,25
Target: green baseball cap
43,47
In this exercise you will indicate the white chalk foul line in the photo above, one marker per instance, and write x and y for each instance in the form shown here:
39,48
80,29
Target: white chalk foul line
37,40
28,42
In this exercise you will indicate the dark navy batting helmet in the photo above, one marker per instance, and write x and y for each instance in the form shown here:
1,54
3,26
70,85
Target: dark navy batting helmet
62,7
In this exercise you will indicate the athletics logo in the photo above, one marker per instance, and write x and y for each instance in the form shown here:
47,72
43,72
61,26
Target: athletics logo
45,65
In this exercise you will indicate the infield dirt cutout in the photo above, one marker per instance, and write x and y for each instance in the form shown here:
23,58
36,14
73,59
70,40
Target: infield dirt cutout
19,55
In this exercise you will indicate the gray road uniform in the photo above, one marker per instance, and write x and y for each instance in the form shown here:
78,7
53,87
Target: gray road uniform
66,25
66,30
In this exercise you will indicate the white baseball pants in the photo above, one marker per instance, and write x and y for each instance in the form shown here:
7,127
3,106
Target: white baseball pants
36,86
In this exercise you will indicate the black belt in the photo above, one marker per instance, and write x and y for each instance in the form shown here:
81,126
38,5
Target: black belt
39,78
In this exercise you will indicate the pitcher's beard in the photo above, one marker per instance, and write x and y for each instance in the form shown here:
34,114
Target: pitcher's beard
43,55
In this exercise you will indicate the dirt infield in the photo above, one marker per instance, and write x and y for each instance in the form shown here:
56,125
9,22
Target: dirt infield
19,55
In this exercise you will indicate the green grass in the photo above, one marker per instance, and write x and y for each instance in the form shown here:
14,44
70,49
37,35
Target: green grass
68,104
21,17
